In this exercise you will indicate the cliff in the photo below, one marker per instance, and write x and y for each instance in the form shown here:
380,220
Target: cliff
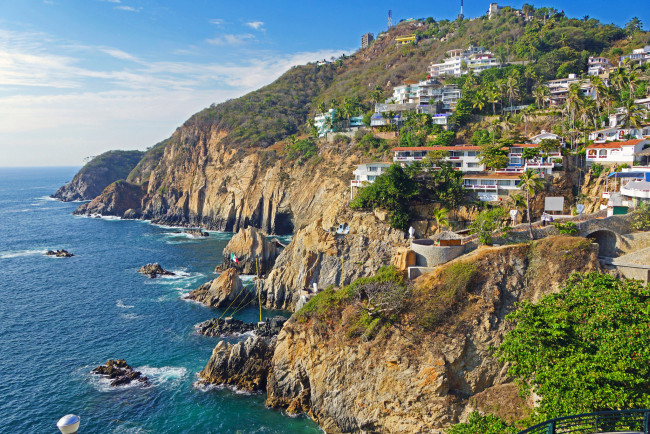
120,198
318,255
254,252
97,174
431,365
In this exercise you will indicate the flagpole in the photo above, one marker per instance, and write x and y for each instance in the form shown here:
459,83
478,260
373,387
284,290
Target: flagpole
259,289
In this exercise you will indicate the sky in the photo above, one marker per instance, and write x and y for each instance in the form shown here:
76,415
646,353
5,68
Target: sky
80,77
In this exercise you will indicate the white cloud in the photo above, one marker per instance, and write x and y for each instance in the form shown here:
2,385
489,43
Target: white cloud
217,21
257,25
230,39
127,8
56,109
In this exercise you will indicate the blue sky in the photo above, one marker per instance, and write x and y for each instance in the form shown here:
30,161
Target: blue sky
79,77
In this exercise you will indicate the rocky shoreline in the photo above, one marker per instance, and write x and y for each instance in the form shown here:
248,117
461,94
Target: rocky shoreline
234,327
120,373
154,270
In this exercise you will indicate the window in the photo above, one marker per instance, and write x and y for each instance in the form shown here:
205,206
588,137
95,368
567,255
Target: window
458,165
472,153
592,153
471,181
472,165
372,168
515,161
504,182
602,152
372,177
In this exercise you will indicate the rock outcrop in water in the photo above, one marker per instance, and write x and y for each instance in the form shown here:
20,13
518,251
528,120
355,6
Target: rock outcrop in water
223,291
234,327
254,252
154,270
62,253
121,199
120,373
244,365
197,232
422,373
97,174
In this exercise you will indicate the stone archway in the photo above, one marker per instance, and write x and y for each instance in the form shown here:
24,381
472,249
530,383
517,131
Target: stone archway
606,241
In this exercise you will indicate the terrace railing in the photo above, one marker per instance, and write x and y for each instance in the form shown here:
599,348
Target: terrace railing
622,421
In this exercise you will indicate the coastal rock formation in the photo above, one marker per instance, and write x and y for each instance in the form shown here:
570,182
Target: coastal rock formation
317,255
117,199
233,327
254,252
59,253
244,365
419,375
97,174
222,291
154,270
197,232
120,373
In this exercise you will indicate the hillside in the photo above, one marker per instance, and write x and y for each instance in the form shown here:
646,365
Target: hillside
97,174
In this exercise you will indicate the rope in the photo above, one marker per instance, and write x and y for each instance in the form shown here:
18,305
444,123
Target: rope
240,308
233,302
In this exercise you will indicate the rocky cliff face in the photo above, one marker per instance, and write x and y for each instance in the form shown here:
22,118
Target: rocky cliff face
318,255
95,176
200,181
222,291
254,252
120,198
420,374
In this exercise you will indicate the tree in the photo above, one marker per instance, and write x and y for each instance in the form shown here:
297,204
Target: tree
512,88
477,424
518,202
479,100
540,93
440,216
493,156
322,108
377,94
585,348
529,181
632,114
633,26
486,222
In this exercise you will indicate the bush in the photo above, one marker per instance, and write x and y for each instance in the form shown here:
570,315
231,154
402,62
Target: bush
477,424
641,217
301,150
566,228
584,349
487,222
341,139
596,169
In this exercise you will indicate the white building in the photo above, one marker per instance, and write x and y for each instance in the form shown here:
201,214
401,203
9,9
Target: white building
618,133
598,65
559,89
544,135
427,94
641,55
463,157
366,174
615,152
459,62
493,10
633,184
324,122
543,163
488,186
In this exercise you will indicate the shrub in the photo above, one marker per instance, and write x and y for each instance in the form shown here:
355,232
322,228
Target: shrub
487,222
596,169
341,139
641,217
477,424
566,228
585,348
301,150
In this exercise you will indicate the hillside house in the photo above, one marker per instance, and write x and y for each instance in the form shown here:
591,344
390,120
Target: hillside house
329,122
618,133
615,152
430,96
366,174
544,163
463,157
559,89
598,65
489,186
544,135
639,55
403,40
459,62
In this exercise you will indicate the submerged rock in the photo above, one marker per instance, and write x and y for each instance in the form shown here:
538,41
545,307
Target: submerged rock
197,233
120,373
223,291
59,253
244,365
154,270
230,326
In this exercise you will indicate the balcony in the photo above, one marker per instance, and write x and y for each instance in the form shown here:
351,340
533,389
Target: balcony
480,187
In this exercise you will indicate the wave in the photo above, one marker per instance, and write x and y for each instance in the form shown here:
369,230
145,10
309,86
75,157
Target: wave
18,253
202,386
47,198
172,375
121,304
130,316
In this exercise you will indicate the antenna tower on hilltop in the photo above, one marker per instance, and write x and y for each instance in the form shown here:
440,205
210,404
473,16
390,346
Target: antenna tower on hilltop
390,19
461,9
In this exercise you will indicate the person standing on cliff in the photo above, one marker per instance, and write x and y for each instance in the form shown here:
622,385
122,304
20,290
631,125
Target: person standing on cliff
411,232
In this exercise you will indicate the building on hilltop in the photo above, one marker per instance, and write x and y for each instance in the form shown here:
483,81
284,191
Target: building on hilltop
598,65
559,89
544,135
430,96
403,40
366,174
366,40
459,62
640,55
330,122
493,10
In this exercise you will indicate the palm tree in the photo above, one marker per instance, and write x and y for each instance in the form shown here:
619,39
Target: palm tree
440,216
600,89
518,202
632,114
493,98
526,115
539,93
479,100
494,127
377,94
529,181
512,88
563,39
322,107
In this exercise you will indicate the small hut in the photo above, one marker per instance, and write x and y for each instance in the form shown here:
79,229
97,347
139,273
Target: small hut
446,238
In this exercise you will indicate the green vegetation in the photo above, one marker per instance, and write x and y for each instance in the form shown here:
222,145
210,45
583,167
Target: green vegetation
115,164
596,169
488,221
301,150
392,190
147,163
584,349
641,217
530,182
477,424
566,228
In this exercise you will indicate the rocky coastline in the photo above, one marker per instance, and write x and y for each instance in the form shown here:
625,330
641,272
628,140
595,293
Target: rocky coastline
228,327
120,373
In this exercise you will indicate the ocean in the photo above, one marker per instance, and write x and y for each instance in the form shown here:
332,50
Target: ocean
61,317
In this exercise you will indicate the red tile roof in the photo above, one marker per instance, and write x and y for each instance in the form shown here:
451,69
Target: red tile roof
614,145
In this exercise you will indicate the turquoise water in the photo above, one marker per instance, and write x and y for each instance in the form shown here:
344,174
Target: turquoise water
60,317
